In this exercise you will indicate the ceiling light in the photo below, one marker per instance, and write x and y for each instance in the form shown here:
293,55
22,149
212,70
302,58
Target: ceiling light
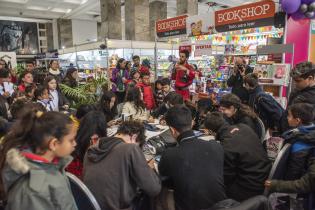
72,1
37,8
61,10
68,10
84,1
16,1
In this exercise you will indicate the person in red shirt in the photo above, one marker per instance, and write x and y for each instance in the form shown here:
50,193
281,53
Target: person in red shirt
184,75
147,91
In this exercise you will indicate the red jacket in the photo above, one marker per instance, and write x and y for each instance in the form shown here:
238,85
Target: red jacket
181,73
148,97
144,70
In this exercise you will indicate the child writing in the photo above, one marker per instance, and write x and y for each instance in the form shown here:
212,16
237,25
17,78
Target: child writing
33,157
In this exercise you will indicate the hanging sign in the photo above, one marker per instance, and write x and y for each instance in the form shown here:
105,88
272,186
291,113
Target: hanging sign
203,48
200,25
246,16
171,27
185,47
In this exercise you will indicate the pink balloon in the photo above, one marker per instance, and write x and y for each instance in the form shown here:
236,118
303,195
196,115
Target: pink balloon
290,6
297,16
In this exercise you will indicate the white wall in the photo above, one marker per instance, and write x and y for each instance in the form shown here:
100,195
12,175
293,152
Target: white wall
84,31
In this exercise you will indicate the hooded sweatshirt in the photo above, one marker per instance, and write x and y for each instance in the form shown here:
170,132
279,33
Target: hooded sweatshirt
32,182
115,170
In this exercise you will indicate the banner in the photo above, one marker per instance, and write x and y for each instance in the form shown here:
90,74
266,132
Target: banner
200,25
185,47
247,16
203,48
171,27
20,37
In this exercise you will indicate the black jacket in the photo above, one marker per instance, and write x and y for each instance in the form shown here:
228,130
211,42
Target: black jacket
302,140
236,82
246,165
250,122
4,107
195,171
115,170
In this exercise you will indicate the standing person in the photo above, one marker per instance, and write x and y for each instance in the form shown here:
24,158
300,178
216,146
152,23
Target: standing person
34,155
246,165
4,94
120,78
58,100
135,79
193,169
54,70
30,66
184,75
147,92
126,169
266,107
108,105
236,79
303,75
26,79
158,93
71,78
129,67
145,67
136,63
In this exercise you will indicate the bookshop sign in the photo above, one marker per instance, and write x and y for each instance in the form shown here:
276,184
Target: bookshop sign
171,27
247,16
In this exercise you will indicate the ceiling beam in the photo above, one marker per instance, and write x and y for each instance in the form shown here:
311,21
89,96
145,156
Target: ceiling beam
83,8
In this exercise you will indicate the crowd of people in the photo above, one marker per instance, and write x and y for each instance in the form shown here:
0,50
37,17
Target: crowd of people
40,142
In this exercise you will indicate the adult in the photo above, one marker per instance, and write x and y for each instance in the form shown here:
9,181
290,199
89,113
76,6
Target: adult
54,70
246,165
266,107
236,79
236,112
136,63
30,66
170,100
126,172
26,79
108,105
184,75
71,78
303,75
120,79
194,169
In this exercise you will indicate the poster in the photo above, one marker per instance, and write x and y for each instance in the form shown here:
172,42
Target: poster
203,48
246,16
171,27
10,58
200,25
20,37
278,74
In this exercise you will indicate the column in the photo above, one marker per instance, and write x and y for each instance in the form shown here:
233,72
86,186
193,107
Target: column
189,7
137,20
64,33
111,19
157,11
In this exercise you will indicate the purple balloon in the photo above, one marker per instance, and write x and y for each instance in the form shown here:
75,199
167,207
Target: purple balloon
291,6
307,1
297,16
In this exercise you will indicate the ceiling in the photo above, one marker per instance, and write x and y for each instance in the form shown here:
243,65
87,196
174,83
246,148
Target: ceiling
88,9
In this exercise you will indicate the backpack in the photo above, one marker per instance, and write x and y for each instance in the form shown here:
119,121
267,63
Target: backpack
271,113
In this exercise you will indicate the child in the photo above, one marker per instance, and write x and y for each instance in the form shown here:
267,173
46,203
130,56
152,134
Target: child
159,97
34,155
147,92
42,96
58,100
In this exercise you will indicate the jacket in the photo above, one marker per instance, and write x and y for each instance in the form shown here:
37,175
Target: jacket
130,110
194,169
56,74
117,80
302,140
184,79
62,100
33,183
306,184
246,165
250,122
236,82
114,170
266,107
148,96
4,107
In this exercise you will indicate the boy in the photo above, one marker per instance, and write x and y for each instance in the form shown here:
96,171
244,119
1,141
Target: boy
147,91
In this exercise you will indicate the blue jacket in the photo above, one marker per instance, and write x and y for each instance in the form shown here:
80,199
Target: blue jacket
303,142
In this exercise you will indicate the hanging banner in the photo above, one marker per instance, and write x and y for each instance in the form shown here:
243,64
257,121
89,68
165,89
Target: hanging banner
200,25
203,48
185,47
171,27
247,16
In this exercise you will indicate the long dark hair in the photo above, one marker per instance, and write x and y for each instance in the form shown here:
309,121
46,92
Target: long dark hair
229,100
134,95
92,123
71,81
119,63
32,130
104,105
48,79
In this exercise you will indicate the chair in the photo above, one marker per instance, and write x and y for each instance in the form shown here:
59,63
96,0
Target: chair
278,169
262,129
82,195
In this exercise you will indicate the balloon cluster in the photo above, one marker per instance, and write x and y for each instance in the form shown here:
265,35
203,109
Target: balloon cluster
299,9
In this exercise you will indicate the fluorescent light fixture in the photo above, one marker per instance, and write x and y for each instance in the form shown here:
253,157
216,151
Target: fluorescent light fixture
24,19
15,1
68,10
61,10
38,8
84,1
72,1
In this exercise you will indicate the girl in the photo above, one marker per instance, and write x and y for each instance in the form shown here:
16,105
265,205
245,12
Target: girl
26,79
134,105
159,96
120,79
41,95
58,100
71,78
92,128
33,157
108,105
